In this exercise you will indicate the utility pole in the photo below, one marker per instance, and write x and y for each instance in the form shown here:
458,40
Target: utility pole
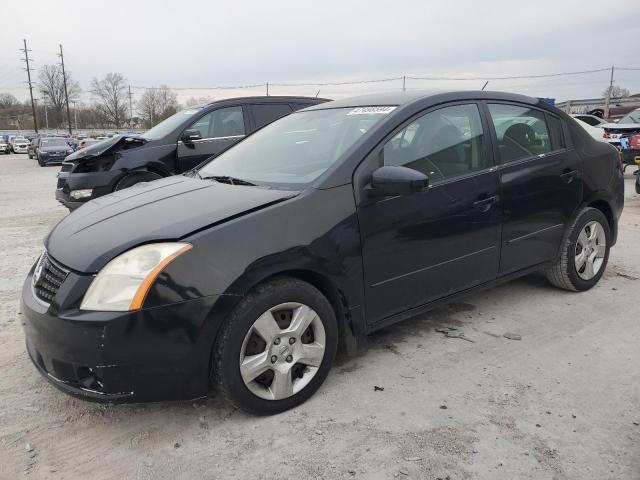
28,69
404,83
66,95
130,107
607,101
267,89
75,115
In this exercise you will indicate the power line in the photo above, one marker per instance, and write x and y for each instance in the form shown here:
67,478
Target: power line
513,77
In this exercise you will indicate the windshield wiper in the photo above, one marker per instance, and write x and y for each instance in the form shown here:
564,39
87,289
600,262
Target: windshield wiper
229,180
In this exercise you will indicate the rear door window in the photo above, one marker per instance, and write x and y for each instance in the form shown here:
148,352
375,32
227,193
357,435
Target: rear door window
522,132
263,114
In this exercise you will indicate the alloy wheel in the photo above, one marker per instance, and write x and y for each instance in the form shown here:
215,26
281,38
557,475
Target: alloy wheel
282,351
591,247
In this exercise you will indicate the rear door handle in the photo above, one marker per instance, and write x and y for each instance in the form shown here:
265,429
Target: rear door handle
485,204
568,175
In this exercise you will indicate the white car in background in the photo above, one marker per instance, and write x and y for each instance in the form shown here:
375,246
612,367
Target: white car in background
4,146
589,119
20,145
595,132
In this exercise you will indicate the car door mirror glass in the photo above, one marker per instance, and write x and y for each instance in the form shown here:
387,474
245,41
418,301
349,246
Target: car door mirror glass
393,180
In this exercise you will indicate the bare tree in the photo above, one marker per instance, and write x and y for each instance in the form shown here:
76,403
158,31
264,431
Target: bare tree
111,98
193,101
156,104
148,106
616,92
51,86
8,100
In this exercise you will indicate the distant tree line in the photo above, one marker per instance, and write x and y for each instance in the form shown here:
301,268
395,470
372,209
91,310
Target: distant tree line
109,107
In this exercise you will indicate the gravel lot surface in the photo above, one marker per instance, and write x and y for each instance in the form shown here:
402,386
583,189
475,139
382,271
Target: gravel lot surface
562,402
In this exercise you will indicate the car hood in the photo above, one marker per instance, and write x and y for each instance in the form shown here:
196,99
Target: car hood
105,146
167,209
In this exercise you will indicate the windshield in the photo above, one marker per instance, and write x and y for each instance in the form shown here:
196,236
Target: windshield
53,142
167,126
632,117
296,149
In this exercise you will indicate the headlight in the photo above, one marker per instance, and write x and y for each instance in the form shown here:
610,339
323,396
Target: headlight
124,282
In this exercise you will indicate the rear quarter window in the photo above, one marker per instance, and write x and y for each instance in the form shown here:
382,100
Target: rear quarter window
556,132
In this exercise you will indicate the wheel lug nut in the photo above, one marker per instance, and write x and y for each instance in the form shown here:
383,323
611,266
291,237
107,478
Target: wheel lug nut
289,358
274,359
276,341
292,341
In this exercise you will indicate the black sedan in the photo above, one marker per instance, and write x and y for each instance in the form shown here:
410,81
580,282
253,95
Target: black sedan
314,231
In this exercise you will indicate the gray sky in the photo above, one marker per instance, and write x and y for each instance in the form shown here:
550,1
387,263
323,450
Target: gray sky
206,43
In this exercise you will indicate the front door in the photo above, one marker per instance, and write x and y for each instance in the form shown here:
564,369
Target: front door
219,130
421,247
540,183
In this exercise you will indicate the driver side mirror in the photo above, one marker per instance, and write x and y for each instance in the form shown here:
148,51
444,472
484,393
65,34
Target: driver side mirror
392,181
190,135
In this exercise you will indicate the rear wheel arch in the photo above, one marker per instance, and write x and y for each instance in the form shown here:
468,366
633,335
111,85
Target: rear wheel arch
607,211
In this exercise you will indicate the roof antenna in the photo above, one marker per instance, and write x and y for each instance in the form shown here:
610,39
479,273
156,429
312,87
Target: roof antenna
485,84
318,93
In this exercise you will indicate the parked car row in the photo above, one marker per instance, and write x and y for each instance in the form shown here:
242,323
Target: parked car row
246,272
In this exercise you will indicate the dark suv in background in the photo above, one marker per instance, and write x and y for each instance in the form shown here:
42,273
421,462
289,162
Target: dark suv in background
174,146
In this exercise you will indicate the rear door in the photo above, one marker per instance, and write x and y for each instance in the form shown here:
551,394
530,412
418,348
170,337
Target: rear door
540,183
219,129
427,245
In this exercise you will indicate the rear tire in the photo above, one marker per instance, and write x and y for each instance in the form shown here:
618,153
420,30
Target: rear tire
134,178
584,254
290,328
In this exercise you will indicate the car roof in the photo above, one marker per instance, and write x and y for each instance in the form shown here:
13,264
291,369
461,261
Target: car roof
426,96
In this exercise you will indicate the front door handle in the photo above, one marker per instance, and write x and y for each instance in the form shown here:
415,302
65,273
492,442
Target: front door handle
568,175
485,204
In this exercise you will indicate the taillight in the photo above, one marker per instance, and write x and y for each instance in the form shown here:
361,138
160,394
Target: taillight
634,141
605,135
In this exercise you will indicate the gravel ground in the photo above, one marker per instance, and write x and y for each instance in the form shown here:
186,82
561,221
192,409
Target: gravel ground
562,402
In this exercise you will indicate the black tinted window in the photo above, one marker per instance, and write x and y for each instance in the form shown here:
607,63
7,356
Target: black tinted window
267,113
521,131
555,129
441,144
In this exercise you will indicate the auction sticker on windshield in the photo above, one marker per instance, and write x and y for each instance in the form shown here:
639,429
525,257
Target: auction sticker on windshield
371,110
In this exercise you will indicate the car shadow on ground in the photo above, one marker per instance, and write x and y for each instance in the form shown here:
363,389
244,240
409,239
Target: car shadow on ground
214,410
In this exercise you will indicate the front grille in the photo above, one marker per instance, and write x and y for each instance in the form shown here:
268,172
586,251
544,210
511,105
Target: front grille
48,277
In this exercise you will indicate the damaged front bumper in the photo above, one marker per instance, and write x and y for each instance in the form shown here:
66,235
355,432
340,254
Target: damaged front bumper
152,354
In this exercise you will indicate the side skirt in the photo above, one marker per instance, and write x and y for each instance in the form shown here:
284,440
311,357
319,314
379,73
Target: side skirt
398,317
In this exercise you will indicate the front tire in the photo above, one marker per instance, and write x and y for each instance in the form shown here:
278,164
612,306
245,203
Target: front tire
585,253
276,348
39,161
